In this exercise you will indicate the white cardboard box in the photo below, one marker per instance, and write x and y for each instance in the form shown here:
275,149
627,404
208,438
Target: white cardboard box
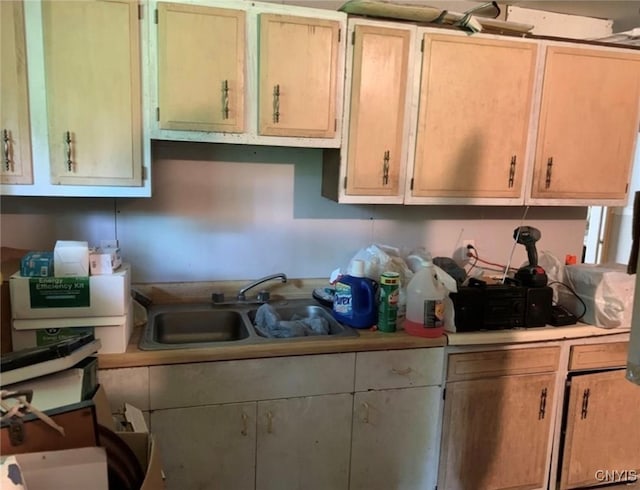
71,259
104,260
67,297
59,470
114,332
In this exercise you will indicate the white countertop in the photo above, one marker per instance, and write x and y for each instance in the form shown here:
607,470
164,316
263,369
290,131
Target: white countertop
540,334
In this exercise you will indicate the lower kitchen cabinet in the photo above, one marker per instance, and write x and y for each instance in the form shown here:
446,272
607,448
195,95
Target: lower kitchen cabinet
394,443
602,430
209,447
303,443
498,419
496,432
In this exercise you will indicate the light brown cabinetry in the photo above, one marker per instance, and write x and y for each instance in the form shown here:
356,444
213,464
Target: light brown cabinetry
246,73
498,418
298,61
201,65
92,71
589,116
601,436
371,165
476,98
16,165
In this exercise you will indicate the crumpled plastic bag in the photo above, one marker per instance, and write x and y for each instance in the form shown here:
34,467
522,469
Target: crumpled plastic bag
379,258
269,324
607,291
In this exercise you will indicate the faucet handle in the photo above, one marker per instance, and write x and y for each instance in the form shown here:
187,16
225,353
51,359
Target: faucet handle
217,297
263,296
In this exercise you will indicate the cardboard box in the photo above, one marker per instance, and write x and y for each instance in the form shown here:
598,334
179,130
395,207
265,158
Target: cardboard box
71,259
104,260
114,332
140,440
58,470
67,297
37,264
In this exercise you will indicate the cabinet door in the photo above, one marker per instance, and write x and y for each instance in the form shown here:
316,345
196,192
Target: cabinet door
395,439
201,68
496,433
298,59
14,103
588,123
207,447
475,105
303,443
376,150
92,70
602,431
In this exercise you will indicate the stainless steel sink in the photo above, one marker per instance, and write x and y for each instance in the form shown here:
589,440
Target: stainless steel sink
186,326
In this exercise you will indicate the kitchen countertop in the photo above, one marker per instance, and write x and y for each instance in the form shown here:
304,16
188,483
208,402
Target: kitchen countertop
300,288
366,341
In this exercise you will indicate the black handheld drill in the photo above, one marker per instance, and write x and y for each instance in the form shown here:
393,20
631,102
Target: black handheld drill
531,275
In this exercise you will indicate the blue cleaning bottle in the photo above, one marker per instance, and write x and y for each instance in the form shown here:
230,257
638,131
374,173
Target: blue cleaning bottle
355,301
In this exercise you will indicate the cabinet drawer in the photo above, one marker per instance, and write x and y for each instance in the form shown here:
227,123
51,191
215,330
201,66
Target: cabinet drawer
502,363
209,383
613,354
399,368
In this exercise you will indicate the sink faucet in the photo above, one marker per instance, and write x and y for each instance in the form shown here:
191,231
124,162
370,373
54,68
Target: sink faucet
241,293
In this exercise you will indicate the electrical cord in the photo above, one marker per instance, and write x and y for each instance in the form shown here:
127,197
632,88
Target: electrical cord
584,306
473,253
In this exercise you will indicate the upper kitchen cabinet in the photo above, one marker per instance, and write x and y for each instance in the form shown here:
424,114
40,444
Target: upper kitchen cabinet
200,68
371,164
476,96
297,69
92,70
84,89
589,116
14,102
247,73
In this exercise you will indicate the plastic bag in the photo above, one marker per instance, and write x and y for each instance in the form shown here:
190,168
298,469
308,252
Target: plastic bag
382,258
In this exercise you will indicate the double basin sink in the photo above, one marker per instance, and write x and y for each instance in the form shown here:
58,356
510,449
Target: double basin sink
185,326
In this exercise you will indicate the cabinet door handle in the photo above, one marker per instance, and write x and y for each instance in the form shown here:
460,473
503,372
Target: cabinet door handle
276,103
269,422
365,419
512,171
7,149
245,424
401,372
547,181
385,167
585,403
543,404
69,151
225,99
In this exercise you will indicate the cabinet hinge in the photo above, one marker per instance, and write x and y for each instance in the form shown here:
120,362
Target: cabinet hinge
335,124
139,12
411,186
155,16
626,188
444,393
353,37
345,182
422,46
144,174
339,35
157,114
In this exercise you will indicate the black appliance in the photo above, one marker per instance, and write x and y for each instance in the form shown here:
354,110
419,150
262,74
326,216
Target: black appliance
482,306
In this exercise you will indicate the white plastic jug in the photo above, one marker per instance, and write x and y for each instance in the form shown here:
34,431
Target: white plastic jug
427,301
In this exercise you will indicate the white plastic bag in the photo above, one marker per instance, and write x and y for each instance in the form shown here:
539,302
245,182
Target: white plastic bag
607,291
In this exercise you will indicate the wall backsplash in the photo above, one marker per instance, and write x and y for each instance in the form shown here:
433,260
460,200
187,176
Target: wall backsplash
223,212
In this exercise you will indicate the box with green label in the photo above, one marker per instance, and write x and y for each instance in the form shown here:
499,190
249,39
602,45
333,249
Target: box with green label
71,297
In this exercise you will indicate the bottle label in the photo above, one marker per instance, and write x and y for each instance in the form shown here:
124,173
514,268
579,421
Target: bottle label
342,299
433,313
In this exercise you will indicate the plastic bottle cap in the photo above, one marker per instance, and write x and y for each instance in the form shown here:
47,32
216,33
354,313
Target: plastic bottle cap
357,268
